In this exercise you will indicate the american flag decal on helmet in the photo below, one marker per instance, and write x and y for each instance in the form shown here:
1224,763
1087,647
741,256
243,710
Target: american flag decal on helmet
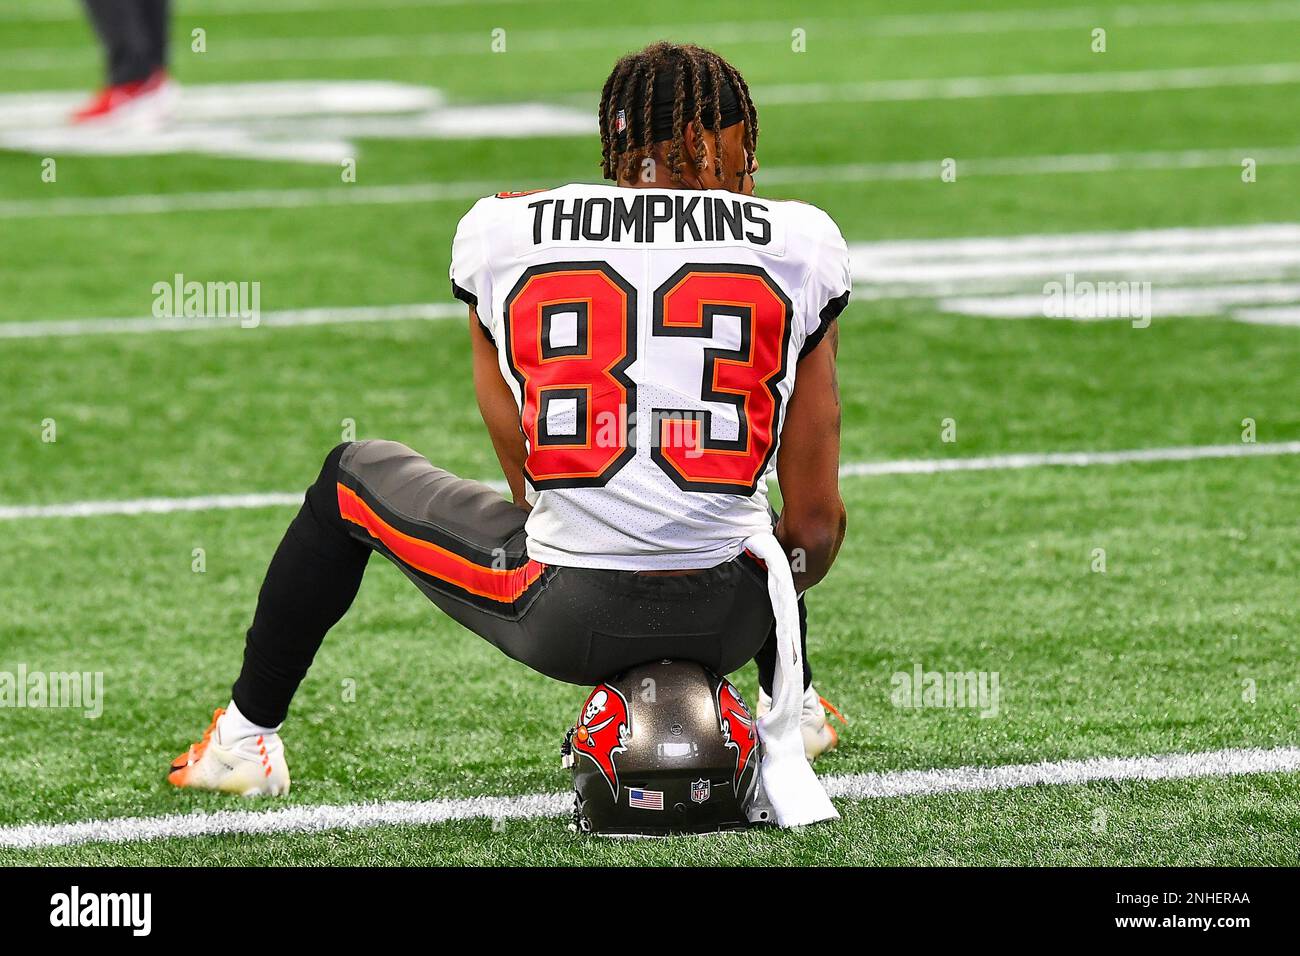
645,799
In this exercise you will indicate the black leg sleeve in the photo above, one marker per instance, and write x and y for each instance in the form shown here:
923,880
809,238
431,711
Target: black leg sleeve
157,23
311,583
766,657
123,31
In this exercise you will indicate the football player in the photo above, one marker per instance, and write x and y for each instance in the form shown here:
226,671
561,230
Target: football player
640,351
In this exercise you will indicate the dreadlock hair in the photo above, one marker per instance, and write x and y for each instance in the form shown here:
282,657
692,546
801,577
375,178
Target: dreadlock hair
697,79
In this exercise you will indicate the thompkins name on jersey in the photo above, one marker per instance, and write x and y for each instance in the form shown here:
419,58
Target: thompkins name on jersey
639,218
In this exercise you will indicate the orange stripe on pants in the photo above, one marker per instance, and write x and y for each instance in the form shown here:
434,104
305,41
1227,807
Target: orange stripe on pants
505,585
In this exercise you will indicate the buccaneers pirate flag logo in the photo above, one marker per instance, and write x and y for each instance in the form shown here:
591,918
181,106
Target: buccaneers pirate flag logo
736,725
602,731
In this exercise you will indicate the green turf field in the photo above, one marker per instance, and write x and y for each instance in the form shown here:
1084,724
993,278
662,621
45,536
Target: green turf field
1186,643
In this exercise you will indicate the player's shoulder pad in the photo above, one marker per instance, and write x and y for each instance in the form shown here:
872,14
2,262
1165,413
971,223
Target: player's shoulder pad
489,211
810,227
817,222
479,218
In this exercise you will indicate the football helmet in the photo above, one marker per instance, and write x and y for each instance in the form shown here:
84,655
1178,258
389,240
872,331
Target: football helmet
663,748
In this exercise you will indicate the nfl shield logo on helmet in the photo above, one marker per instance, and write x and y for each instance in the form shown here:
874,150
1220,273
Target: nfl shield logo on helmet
620,121
701,790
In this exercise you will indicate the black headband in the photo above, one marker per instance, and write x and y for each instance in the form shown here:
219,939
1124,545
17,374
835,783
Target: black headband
628,122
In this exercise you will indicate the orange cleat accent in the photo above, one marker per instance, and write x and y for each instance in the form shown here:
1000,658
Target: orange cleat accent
180,766
831,707
249,766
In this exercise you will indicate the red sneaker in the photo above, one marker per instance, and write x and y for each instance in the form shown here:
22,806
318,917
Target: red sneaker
114,101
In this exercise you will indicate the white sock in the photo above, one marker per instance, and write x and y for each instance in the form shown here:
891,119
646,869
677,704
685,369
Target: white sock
235,726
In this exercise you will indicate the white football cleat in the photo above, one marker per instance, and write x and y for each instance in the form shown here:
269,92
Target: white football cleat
818,735
249,766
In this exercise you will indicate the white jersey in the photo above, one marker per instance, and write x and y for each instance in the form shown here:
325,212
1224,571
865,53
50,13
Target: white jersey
651,339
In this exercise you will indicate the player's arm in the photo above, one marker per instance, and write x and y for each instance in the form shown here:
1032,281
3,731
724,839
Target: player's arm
496,404
808,467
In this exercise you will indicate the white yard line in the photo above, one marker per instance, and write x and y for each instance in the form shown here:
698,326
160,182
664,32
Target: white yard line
45,10
1063,164
904,783
1177,239
220,201
940,23
1030,84
149,506
1249,273
1244,301
918,24
283,120
53,328
459,192
316,46
1191,271
270,102
867,469
1279,315
1074,459
1215,763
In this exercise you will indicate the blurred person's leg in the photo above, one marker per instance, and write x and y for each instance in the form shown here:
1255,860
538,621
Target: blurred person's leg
134,34
157,20
124,30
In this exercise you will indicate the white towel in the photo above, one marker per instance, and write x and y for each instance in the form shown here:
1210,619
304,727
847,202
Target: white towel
785,778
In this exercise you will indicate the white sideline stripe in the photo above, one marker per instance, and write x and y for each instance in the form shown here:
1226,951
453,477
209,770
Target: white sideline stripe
273,102
1281,315
1178,300
1005,276
1030,84
473,43
476,43
866,786
1016,21
1075,459
1063,164
469,43
983,276
416,193
1166,264
922,24
1215,763
152,203
63,11
869,469
149,506
45,328
155,506
1283,234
